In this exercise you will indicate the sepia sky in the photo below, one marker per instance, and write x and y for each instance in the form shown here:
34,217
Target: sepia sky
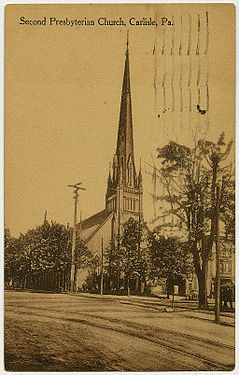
62,98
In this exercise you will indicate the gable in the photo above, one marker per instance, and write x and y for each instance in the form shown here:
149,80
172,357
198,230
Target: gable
92,225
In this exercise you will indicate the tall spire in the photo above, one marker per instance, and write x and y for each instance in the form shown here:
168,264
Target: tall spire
124,188
45,217
109,177
125,147
140,174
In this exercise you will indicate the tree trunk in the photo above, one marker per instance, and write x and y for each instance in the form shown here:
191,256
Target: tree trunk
25,282
202,282
201,269
44,280
57,281
37,282
64,281
54,280
47,280
137,284
68,282
128,284
28,282
118,279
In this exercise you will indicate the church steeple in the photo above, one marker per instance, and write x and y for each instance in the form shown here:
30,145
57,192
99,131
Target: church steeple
124,188
125,146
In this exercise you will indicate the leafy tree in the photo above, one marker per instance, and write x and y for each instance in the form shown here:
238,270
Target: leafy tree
129,250
11,266
169,257
112,268
191,177
228,212
133,256
41,258
83,256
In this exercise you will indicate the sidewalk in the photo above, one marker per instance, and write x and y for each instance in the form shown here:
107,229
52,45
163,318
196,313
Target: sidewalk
186,319
189,308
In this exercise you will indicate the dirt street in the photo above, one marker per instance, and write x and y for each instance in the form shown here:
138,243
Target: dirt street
58,332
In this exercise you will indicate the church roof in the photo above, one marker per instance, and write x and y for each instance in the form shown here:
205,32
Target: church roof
88,227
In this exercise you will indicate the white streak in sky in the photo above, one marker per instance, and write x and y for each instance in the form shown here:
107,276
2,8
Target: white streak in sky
190,71
181,37
164,93
172,86
189,34
207,35
199,71
198,42
180,86
190,99
173,36
155,74
163,43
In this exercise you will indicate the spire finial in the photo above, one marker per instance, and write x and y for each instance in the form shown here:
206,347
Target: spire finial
45,215
127,43
140,174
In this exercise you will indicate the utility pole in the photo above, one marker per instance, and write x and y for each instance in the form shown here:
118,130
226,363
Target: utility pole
218,264
102,268
76,188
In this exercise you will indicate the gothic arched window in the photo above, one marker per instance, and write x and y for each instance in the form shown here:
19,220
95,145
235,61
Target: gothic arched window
130,170
122,168
130,174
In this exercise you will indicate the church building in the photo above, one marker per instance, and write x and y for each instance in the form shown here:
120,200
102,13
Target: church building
124,193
